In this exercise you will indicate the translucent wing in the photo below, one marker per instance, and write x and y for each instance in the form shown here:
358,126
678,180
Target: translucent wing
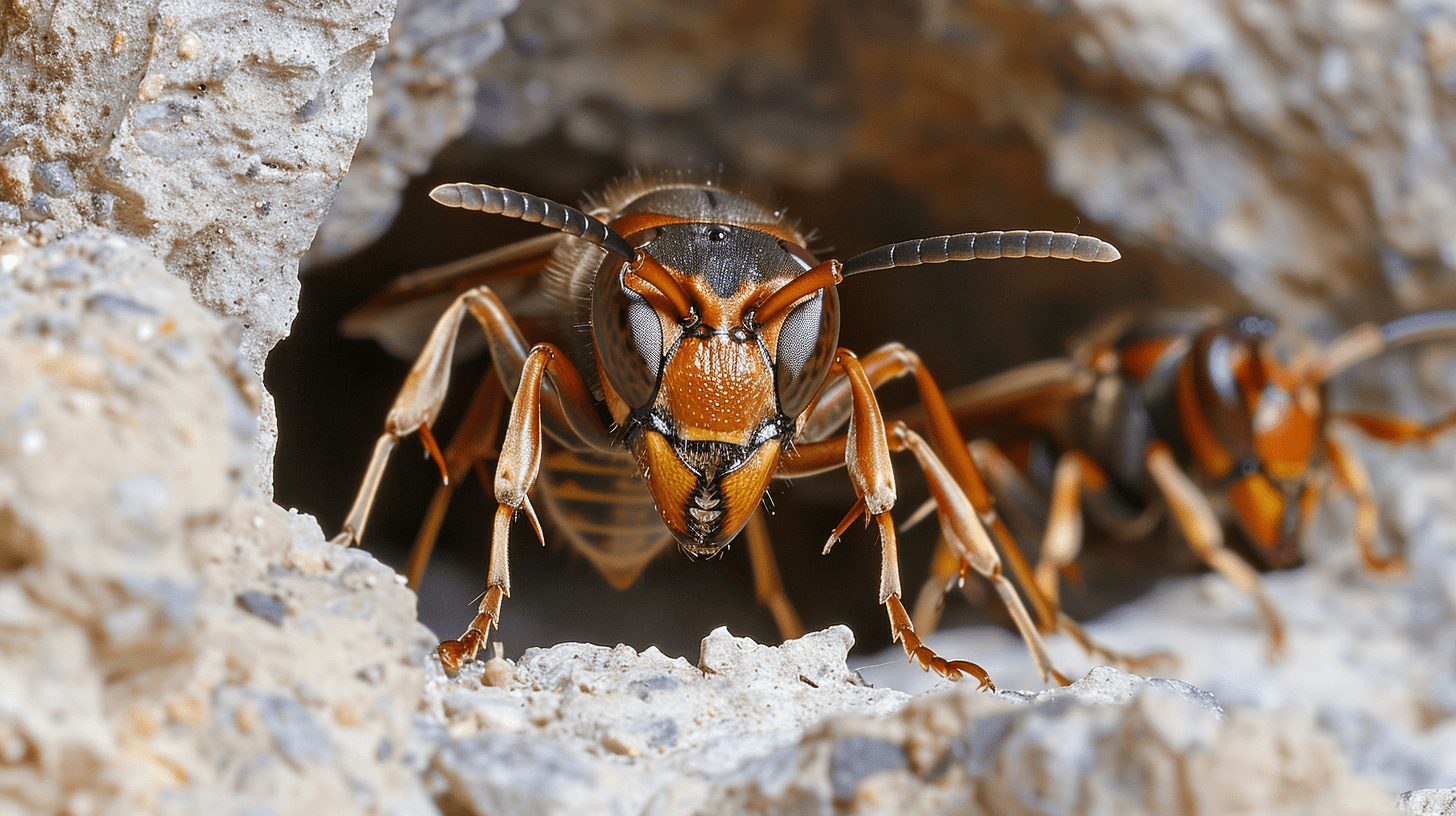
401,316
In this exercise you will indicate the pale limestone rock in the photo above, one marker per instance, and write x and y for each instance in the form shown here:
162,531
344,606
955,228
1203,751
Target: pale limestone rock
1429,802
216,133
424,97
1111,743
754,729
174,643
579,727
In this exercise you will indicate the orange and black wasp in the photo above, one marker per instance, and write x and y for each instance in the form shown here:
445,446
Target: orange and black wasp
1175,413
665,354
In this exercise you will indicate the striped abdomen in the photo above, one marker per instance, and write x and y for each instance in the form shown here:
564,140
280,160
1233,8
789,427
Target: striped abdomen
602,506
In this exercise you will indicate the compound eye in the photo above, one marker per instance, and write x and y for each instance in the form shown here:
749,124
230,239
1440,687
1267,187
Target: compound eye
808,337
806,260
798,335
628,336
646,330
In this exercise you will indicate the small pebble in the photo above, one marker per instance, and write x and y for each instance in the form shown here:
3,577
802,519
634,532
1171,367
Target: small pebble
38,208
188,46
55,178
264,605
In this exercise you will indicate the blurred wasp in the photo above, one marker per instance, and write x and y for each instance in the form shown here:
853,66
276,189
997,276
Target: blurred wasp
1177,412
666,354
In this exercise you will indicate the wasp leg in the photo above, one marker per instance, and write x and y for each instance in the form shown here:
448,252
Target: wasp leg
766,581
1063,537
418,404
515,474
1194,516
474,441
424,390
1397,430
1352,475
964,534
865,453
1062,541
568,407
893,361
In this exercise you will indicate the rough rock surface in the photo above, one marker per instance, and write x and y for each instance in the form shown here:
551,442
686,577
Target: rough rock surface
216,133
1429,802
579,729
582,729
424,96
174,642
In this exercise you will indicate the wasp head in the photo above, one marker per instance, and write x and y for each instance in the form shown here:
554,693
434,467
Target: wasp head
707,387
1256,429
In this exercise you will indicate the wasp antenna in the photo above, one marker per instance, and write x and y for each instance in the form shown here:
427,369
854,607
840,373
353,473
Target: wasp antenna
969,246
500,201
1419,327
1368,341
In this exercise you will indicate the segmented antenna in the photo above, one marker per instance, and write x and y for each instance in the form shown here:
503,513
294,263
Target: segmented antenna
500,201
1417,327
974,245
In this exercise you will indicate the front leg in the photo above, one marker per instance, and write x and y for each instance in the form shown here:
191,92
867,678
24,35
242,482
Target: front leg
894,361
516,471
473,443
962,532
948,567
865,452
1194,516
572,416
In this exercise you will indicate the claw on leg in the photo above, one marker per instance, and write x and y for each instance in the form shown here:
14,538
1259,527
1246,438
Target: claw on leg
456,653
924,656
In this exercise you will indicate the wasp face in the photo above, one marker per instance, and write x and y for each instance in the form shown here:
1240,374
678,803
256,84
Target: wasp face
708,399
1256,431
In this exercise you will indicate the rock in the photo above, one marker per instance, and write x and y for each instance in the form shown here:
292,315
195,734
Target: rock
1110,743
424,97
755,729
582,728
1429,802
174,642
216,134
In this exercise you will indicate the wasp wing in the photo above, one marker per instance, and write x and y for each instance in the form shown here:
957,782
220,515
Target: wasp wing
401,316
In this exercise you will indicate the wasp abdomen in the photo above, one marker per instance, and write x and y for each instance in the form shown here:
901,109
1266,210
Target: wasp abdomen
605,510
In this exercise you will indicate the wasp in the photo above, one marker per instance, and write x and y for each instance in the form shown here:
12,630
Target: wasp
1175,413
666,353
